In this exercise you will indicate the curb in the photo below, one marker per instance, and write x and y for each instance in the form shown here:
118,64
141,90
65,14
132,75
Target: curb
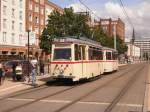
146,98
20,87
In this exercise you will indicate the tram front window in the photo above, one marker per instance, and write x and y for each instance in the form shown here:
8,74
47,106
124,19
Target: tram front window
62,54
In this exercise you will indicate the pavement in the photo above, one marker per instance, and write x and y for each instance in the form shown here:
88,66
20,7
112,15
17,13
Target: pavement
9,86
148,91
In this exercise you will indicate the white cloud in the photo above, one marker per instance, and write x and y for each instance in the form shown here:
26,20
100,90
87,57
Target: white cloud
139,15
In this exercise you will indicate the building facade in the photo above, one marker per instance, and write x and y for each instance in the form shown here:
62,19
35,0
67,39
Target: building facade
144,44
17,17
49,7
12,27
108,26
37,12
133,52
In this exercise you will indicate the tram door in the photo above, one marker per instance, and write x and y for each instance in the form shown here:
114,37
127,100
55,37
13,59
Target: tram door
83,55
80,56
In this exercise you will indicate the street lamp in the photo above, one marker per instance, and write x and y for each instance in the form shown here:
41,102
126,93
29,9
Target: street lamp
28,50
115,36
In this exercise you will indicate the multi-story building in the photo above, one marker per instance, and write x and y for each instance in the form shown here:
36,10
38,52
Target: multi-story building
17,17
35,18
37,12
108,26
12,27
144,44
49,7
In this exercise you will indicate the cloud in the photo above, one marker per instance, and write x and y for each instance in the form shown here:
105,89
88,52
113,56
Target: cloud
139,15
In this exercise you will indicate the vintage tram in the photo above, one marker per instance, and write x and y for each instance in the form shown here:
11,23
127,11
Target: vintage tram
81,58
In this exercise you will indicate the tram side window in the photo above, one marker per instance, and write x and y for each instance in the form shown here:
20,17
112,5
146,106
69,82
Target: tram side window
108,56
114,56
77,52
100,55
83,53
63,53
94,54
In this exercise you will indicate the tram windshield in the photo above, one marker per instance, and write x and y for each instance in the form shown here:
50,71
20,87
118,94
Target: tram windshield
62,54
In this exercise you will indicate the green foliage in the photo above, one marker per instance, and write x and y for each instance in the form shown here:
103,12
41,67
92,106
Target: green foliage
73,24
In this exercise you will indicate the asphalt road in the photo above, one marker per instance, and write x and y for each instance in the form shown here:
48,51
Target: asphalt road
121,91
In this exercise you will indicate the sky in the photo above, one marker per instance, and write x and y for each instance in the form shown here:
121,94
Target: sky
137,10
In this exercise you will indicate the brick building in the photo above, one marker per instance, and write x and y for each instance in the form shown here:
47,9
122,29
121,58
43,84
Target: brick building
108,27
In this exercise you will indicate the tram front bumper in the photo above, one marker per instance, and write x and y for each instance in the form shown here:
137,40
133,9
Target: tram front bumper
63,77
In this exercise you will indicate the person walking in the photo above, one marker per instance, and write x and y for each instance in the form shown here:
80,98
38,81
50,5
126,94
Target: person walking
14,72
1,74
33,72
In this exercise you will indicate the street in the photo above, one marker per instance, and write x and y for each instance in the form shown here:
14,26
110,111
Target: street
121,91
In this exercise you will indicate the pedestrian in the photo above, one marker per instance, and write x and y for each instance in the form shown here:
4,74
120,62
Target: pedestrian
1,73
33,72
41,63
14,72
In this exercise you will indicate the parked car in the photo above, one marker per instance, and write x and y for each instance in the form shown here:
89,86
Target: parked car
23,68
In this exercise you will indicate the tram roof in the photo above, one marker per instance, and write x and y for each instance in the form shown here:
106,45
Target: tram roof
107,48
80,40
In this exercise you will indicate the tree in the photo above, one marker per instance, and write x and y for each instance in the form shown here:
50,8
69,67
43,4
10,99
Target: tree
74,24
62,25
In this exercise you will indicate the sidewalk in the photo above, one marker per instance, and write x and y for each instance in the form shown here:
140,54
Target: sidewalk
9,86
148,87
147,93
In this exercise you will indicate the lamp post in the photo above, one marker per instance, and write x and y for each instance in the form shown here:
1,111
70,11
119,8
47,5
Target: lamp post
115,36
28,50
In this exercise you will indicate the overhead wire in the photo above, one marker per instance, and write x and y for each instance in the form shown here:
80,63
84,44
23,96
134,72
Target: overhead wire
88,8
126,14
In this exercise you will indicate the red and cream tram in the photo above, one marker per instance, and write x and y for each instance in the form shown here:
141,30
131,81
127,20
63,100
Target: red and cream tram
82,58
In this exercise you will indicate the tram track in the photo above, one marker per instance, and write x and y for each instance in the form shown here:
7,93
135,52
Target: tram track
41,87
73,102
123,91
89,93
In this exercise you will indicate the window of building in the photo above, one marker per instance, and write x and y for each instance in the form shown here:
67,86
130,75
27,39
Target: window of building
42,22
30,17
36,30
20,3
13,25
20,39
30,27
36,20
20,27
20,15
42,11
13,2
4,10
13,38
36,8
4,37
4,23
36,0
30,6
13,13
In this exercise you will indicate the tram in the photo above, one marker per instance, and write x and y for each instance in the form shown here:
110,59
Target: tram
81,58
